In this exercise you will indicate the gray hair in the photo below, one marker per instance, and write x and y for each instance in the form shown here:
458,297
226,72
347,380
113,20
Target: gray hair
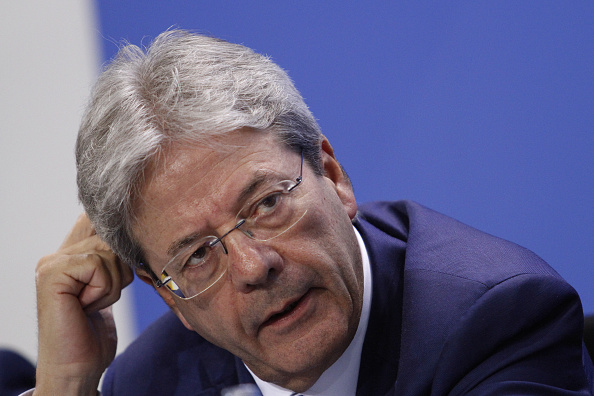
184,88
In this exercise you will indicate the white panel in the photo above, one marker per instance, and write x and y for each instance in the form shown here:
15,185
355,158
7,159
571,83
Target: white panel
49,61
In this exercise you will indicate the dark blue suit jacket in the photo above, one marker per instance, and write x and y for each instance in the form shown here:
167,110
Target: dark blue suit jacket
17,374
454,311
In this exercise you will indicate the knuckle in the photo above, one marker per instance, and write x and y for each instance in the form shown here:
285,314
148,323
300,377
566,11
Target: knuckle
93,259
48,265
44,262
42,269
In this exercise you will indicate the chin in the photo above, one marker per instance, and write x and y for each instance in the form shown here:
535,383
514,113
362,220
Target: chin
298,365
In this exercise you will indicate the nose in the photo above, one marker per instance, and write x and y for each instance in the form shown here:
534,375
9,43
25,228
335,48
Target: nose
252,264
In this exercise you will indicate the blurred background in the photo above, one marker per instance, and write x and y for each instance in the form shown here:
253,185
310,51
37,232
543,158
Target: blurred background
483,111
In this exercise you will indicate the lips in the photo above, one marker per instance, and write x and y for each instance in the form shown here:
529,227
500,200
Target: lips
285,312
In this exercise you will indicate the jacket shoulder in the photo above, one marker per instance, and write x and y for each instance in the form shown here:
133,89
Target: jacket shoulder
169,359
440,244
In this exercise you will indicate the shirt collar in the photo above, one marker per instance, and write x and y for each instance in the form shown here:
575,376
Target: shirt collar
340,378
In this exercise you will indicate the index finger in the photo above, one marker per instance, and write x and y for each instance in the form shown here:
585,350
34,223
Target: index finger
81,230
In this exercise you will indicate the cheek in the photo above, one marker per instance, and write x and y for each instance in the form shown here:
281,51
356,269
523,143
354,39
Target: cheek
330,233
340,250
330,249
207,316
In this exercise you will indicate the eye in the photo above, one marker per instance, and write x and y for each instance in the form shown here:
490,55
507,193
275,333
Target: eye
199,257
267,205
270,210
269,202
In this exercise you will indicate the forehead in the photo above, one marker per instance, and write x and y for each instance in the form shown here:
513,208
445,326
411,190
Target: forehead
191,190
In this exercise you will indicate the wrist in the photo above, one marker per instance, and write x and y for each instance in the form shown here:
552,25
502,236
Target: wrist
50,383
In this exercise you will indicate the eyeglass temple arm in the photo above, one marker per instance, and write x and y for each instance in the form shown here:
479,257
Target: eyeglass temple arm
300,178
158,282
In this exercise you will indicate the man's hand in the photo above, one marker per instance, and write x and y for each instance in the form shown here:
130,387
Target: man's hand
76,287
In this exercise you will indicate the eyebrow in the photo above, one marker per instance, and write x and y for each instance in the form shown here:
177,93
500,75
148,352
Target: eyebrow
181,244
247,192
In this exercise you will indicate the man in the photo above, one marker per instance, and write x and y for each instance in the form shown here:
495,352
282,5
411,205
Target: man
200,167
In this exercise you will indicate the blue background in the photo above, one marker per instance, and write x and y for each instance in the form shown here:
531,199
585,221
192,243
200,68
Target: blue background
481,110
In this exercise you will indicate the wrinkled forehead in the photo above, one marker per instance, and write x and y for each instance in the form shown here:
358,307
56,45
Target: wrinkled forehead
203,160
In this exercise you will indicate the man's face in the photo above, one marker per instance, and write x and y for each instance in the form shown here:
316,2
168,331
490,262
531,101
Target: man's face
289,306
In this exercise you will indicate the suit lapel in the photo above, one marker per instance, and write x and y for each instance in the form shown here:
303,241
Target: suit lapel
381,348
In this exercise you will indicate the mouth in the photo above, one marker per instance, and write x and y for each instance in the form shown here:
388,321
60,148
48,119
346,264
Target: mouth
286,313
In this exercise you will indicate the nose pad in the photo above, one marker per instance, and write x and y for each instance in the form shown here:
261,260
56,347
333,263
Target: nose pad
251,263
247,232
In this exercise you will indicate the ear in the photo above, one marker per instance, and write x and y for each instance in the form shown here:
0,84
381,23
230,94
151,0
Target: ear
165,295
336,174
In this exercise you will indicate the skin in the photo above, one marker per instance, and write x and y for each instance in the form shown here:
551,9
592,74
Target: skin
192,190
